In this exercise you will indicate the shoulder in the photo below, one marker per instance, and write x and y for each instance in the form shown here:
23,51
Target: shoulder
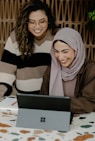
11,44
12,36
88,69
89,64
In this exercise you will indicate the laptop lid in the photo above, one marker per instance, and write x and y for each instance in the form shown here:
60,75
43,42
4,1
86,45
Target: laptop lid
43,112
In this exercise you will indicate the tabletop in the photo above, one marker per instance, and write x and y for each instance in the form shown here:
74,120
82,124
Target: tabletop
82,128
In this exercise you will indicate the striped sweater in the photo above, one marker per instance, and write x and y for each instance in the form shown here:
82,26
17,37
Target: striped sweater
27,74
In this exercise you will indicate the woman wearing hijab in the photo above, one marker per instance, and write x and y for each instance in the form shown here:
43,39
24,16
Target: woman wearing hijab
70,73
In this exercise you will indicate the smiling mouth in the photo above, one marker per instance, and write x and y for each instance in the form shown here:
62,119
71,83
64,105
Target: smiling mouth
63,62
37,31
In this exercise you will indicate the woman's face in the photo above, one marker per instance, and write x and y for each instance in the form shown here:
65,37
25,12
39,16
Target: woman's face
64,54
38,23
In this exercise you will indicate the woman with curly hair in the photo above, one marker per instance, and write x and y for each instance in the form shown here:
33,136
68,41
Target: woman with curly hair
27,50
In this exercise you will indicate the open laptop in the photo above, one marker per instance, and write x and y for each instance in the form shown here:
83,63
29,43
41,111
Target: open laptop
43,112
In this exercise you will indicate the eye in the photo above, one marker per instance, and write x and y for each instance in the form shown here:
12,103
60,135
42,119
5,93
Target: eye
65,51
31,22
43,21
55,51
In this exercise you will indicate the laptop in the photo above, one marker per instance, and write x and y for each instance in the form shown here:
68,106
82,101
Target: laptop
43,112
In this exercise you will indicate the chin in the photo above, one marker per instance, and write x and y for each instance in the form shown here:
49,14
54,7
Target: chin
65,66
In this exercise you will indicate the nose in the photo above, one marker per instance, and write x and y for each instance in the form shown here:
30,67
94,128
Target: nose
60,56
37,24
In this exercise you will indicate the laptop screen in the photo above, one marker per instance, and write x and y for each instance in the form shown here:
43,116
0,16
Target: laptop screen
33,101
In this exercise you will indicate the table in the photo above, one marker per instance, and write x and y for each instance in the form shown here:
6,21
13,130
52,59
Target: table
81,129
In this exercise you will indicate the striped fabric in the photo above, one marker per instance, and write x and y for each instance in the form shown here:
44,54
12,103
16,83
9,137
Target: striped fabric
27,74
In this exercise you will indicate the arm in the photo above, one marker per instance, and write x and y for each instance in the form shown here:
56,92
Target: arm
7,68
85,97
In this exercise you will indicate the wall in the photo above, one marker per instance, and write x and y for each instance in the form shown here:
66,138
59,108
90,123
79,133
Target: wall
72,13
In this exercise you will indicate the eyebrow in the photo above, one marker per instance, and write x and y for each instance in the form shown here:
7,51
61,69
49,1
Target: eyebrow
61,50
39,19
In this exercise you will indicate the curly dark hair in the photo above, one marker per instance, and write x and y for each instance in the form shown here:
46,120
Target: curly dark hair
24,38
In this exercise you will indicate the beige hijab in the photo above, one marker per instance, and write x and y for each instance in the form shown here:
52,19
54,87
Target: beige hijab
74,40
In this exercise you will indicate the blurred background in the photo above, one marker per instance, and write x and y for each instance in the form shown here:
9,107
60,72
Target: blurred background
68,13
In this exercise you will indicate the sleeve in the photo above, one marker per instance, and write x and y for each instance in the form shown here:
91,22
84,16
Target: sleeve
85,103
45,83
8,67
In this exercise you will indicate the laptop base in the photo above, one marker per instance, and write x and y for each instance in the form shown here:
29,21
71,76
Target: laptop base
43,119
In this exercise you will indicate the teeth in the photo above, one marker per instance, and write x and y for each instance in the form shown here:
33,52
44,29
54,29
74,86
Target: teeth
37,31
63,61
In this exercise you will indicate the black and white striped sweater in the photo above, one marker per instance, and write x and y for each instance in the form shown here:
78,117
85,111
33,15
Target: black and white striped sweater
28,73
